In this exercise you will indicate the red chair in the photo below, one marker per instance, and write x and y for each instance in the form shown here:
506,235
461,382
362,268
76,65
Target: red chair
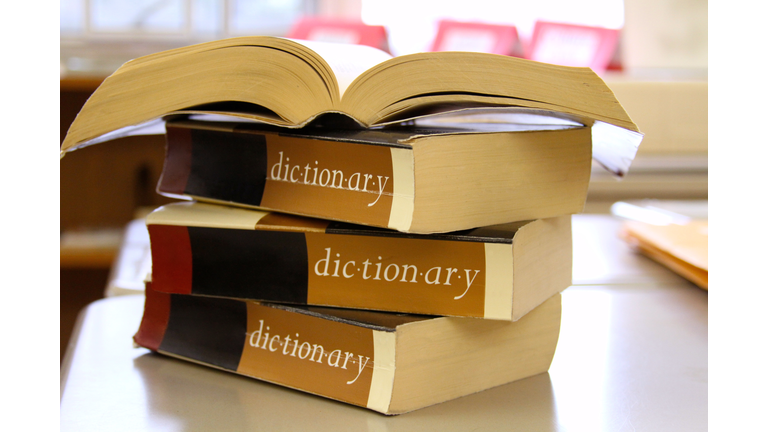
573,45
477,37
332,30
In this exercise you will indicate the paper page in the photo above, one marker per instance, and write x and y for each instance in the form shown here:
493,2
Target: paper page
507,117
613,147
151,127
347,60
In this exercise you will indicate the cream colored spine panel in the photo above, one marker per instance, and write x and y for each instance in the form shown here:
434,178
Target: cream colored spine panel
401,214
498,282
383,378
205,215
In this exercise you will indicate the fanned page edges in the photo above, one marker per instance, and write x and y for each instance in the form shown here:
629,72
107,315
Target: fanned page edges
150,88
187,78
295,47
513,82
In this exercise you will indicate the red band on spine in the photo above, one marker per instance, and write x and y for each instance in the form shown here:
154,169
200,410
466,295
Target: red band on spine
178,161
157,311
171,259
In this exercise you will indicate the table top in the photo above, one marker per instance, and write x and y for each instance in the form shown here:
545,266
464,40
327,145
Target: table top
600,257
629,358
632,355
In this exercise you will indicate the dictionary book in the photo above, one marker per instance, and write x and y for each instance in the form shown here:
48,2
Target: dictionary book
290,83
410,179
497,272
389,363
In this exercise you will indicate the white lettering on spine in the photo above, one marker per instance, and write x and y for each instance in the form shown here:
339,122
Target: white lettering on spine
304,350
469,283
378,270
436,280
279,166
344,270
284,171
271,341
257,332
450,271
381,189
326,259
360,367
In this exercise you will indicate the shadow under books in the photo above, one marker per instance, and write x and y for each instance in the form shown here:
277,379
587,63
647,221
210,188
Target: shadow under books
197,398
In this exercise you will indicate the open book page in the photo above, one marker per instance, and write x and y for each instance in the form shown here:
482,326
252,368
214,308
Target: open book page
346,60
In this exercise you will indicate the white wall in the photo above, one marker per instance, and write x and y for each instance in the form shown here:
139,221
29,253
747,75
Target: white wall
665,34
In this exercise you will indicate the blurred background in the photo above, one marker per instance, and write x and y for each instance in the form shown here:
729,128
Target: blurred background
652,53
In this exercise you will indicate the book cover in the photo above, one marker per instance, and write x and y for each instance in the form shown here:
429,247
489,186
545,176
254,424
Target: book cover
411,179
498,272
388,363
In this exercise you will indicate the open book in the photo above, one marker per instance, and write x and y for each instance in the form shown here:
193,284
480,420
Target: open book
289,83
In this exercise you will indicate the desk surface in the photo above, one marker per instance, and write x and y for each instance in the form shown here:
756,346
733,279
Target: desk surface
629,358
632,356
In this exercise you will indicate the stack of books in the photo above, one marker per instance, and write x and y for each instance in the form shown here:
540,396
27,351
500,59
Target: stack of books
390,233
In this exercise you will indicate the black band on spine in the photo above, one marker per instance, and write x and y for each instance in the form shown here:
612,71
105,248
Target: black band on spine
208,330
251,264
228,166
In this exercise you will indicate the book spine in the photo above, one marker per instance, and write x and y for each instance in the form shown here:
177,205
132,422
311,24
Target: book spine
325,357
344,181
413,275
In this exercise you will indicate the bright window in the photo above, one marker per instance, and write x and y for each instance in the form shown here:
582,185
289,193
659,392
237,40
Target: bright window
412,23
190,19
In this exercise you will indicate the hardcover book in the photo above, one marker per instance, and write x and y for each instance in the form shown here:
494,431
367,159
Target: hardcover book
411,179
499,272
388,363
289,83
